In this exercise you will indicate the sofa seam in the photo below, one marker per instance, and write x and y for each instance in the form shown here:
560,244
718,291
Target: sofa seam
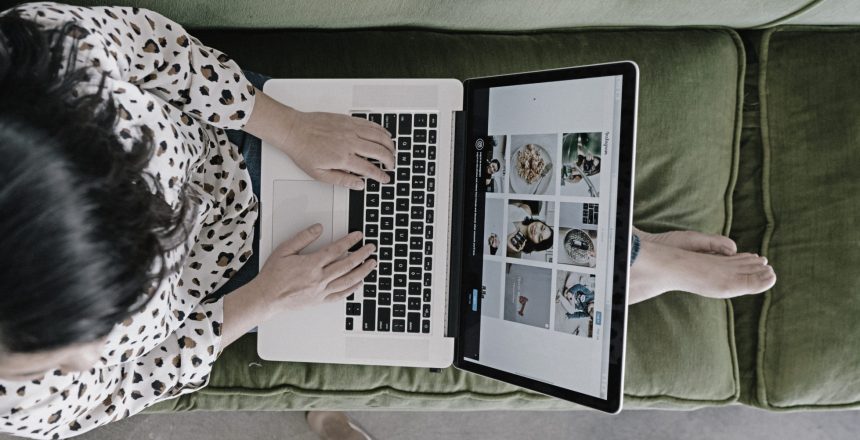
791,15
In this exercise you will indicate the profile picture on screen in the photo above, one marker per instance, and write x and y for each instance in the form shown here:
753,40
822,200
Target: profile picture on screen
530,234
581,163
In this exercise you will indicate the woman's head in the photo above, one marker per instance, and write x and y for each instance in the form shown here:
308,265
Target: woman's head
538,235
84,226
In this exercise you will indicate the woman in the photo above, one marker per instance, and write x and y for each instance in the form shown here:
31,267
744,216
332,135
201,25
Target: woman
527,233
129,212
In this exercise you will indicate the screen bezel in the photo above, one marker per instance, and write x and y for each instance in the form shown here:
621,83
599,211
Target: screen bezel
463,197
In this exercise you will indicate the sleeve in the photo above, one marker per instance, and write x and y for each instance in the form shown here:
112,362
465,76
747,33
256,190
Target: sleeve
61,406
156,54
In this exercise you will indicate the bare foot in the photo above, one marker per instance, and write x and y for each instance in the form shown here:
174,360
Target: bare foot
335,425
691,241
661,268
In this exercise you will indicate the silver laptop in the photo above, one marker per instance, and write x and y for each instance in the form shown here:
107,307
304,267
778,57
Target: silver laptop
502,238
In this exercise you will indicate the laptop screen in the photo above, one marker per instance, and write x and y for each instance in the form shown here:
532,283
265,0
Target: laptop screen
543,163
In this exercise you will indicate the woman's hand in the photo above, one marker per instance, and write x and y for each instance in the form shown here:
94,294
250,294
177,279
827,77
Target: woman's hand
329,147
293,281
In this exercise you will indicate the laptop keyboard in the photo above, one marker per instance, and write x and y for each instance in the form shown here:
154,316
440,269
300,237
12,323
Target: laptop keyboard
589,213
398,218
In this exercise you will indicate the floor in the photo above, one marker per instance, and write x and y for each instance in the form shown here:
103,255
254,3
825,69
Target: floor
715,423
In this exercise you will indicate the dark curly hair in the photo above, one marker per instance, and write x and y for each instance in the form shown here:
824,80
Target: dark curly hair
84,228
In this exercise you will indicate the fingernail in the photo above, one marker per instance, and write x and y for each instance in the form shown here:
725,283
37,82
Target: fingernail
358,185
764,275
316,229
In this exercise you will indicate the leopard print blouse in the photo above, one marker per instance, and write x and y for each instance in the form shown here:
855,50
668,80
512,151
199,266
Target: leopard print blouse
165,81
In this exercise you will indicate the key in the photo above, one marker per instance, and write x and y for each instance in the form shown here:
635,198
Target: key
401,235
371,277
402,205
386,238
415,243
404,124
368,319
419,135
417,212
428,232
404,143
431,136
387,208
384,319
428,248
349,323
428,279
419,166
427,295
371,186
399,296
389,122
372,200
385,268
431,185
401,250
386,223
387,193
415,258
429,217
385,283
390,177
418,197
371,215
418,183
369,291
413,322
419,151
399,280
384,299
404,158
431,200
414,273
402,174
431,169
403,189
431,153
375,117
425,310
385,253
360,115
414,289
398,325
432,119
420,120
371,230
416,228
353,309
428,264
425,326
400,310
351,297
400,265
401,220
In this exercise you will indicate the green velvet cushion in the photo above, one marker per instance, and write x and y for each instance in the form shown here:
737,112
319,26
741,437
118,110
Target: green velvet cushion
485,15
681,347
808,348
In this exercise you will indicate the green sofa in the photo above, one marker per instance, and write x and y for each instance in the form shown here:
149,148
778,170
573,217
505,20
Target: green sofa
749,126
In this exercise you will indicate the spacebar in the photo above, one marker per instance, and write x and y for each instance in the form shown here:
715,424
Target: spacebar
356,214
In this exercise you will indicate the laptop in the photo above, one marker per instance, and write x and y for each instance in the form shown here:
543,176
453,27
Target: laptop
502,240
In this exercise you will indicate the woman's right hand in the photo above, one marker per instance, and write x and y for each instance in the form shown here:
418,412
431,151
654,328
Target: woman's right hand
291,280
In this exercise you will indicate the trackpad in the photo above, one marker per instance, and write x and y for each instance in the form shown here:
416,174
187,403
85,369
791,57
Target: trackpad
297,204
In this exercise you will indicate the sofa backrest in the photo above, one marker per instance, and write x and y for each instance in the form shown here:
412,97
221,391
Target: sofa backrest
495,15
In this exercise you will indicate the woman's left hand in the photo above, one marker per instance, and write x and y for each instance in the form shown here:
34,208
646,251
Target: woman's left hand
332,148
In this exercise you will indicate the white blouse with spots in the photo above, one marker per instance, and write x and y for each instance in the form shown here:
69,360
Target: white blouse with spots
165,81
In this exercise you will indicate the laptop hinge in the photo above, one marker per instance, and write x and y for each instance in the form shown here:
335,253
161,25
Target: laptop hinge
455,245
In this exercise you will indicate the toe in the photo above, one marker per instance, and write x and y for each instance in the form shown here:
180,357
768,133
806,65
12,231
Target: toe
699,242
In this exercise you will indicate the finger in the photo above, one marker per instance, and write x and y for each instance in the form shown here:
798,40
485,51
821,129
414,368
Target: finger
374,151
361,166
341,267
382,137
337,296
335,250
341,178
364,123
303,239
354,276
